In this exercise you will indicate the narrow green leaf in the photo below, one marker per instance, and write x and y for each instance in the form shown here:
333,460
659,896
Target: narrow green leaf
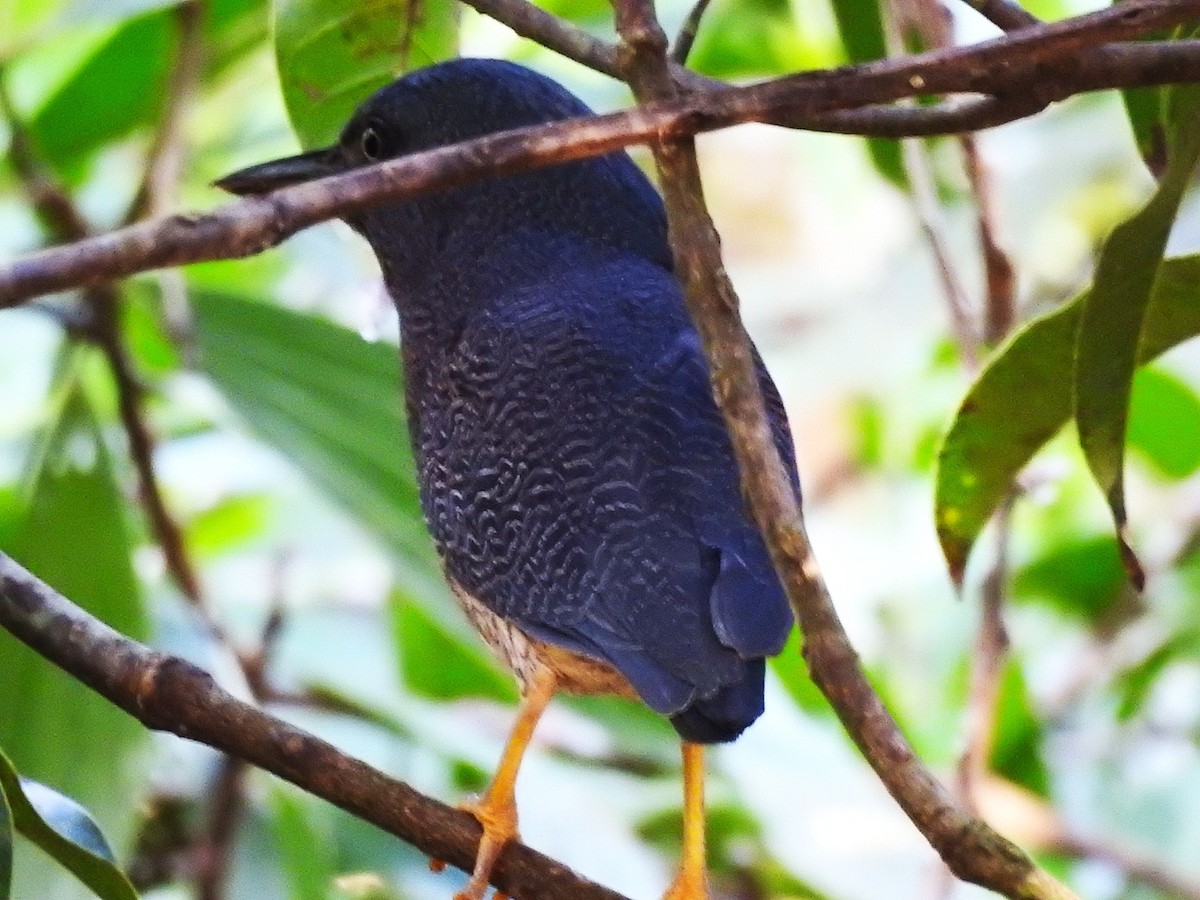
66,831
6,847
860,24
331,54
304,855
72,533
1023,397
328,400
1143,109
748,37
124,78
442,664
1111,318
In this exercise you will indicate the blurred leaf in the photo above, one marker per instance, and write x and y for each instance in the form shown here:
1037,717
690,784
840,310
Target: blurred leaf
1022,398
789,667
328,400
1112,313
153,349
580,11
227,524
1143,108
125,78
1134,684
1017,748
1081,579
81,12
72,534
22,22
860,24
304,855
66,831
6,847
332,54
1164,422
443,665
232,28
748,37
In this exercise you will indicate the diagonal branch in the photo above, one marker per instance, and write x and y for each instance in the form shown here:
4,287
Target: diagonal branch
968,846
168,694
1037,65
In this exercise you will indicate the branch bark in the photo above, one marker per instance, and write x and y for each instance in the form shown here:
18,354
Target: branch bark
168,694
1020,71
967,845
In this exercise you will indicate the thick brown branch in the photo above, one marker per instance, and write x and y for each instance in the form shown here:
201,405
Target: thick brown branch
168,694
1040,64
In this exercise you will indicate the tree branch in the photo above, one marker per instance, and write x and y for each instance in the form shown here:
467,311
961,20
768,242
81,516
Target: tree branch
1038,65
968,846
168,694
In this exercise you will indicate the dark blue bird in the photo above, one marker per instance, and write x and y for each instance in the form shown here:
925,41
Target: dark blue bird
574,469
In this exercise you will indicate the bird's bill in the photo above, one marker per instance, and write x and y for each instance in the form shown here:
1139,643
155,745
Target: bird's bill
278,173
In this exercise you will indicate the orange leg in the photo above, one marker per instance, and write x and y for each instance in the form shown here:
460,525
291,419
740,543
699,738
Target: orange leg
691,883
497,810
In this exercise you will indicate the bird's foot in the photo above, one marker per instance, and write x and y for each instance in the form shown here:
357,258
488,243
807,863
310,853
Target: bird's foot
689,884
499,821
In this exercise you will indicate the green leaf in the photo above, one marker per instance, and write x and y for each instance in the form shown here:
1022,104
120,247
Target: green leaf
1023,397
1111,318
72,534
443,665
125,78
1143,108
327,399
748,37
6,847
860,24
24,22
1164,423
66,831
1080,578
331,54
304,855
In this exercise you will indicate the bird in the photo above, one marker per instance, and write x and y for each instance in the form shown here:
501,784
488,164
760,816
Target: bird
574,469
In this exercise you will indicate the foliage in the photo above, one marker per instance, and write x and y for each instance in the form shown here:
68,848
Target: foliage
282,453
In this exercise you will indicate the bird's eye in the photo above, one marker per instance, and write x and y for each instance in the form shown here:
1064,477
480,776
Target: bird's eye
371,143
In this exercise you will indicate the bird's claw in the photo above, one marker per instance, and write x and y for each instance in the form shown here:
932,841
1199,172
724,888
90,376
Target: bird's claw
499,822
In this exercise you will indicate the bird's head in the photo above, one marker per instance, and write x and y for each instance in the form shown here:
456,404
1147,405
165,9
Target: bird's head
606,200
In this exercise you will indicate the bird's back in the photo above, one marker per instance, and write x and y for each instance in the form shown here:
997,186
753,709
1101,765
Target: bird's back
580,484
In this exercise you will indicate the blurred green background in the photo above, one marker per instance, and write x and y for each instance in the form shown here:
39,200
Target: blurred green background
272,387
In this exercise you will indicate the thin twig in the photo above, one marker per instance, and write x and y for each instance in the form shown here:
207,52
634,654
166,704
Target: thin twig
168,694
155,194
1000,281
686,38
971,849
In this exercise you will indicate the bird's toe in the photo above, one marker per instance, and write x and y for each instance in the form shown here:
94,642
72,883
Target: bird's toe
499,821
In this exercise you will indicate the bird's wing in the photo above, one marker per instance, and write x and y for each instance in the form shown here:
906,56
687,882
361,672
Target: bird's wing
587,489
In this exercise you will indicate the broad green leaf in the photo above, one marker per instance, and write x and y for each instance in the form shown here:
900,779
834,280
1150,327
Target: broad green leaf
124,78
860,24
72,534
1164,423
1081,578
65,831
748,37
6,847
1143,109
227,524
1111,317
304,855
327,399
331,54
441,664
1023,397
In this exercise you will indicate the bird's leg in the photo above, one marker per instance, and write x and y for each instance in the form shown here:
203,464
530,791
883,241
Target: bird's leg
691,882
497,809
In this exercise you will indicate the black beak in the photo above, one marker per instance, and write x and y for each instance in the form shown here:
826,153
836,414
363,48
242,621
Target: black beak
270,176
